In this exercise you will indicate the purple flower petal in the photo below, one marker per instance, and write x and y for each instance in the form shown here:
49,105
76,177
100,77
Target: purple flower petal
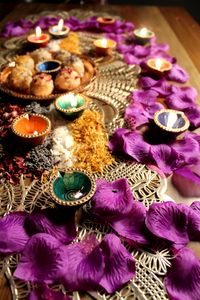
141,51
41,260
186,182
132,225
84,265
193,114
159,47
163,88
174,222
131,59
43,292
182,279
177,74
144,97
173,101
166,158
116,142
59,224
119,264
112,199
147,82
196,204
13,236
186,93
136,147
134,116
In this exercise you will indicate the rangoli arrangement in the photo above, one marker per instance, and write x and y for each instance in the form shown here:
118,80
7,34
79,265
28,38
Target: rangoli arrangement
91,121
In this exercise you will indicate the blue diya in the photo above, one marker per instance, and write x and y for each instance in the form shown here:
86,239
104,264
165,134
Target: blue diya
172,121
49,66
72,187
71,105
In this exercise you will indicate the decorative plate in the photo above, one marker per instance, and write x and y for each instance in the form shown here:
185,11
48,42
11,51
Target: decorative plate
86,81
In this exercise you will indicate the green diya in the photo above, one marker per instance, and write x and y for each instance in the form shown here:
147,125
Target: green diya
71,105
72,187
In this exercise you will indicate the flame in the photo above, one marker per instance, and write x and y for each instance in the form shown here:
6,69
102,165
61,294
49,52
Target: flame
60,24
172,117
158,63
143,32
72,99
104,43
38,31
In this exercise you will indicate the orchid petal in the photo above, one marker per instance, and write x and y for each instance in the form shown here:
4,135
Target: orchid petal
177,74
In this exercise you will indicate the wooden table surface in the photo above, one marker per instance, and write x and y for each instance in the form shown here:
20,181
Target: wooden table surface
172,25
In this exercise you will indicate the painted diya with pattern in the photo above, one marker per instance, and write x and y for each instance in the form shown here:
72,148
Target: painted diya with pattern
72,187
31,129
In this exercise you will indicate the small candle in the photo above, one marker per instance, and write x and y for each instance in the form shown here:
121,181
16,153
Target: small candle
38,39
159,65
104,46
143,35
59,31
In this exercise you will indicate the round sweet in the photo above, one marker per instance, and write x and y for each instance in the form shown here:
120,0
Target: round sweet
67,79
25,61
77,65
40,55
42,85
20,79
63,56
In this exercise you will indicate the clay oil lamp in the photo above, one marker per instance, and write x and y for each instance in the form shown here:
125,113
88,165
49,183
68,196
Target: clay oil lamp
60,30
31,129
170,121
49,66
158,65
72,187
38,39
71,105
104,46
143,35
104,21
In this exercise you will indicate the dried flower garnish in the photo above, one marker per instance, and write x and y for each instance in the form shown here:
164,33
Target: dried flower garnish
71,43
90,150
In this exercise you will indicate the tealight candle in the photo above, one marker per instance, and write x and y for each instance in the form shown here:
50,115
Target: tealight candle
143,35
159,65
71,105
104,46
59,30
31,128
105,20
38,39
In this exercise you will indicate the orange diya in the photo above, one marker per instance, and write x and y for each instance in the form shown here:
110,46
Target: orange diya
104,46
38,39
31,128
159,65
105,20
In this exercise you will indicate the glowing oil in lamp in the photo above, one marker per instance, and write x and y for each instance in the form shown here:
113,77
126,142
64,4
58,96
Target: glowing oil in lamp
38,39
159,65
143,35
59,30
71,105
104,46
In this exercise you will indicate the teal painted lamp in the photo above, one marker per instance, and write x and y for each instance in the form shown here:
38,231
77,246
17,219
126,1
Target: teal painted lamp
71,105
72,187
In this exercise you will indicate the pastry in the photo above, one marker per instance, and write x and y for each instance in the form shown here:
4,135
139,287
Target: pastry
25,61
20,79
67,79
40,55
42,85
63,56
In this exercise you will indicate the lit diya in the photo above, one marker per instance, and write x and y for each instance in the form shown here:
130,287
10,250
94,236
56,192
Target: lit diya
143,35
38,39
159,65
105,20
104,46
171,121
71,105
72,187
31,128
59,30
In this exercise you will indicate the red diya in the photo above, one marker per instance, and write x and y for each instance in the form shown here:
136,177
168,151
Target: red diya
38,39
105,20
104,46
159,65
31,128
